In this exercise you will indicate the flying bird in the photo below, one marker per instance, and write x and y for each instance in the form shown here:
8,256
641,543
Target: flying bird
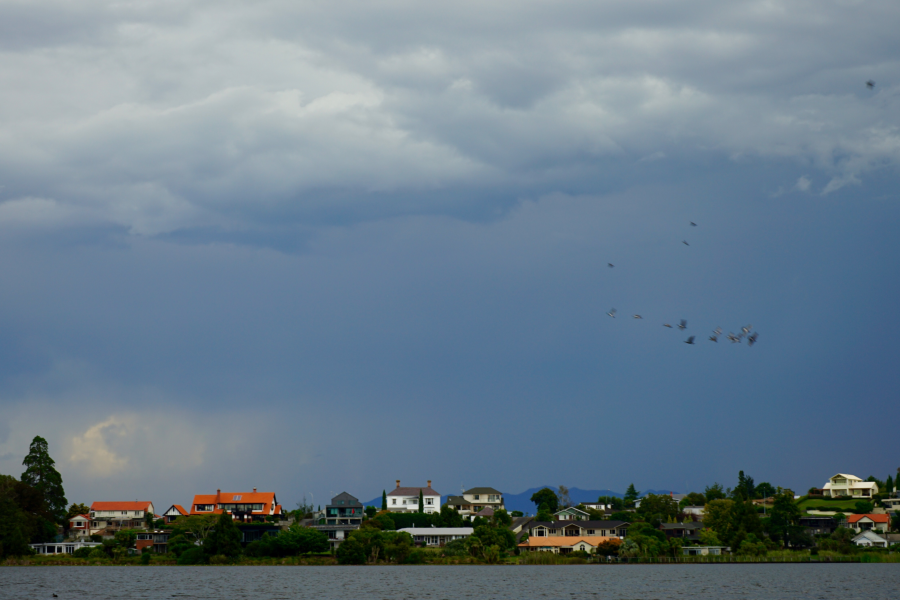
746,328
682,325
752,339
693,224
610,265
667,325
714,338
612,313
690,340
733,338
636,317
870,84
685,243
717,331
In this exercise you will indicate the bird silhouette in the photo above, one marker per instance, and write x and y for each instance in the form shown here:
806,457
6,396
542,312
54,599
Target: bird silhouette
717,331
685,243
610,265
636,317
733,338
752,339
870,84
713,338
746,328
667,325
693,224
682,325
612,313
690,340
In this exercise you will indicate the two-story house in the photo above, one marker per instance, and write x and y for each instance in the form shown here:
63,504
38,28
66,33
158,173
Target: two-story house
110,517
406,499
343,515
849,485
80,525
615,529
155,539
175,511
243,506
476,500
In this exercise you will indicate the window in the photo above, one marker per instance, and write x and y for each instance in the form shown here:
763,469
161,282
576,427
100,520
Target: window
125,512
477,497
591,532
393,501
429,501
236,498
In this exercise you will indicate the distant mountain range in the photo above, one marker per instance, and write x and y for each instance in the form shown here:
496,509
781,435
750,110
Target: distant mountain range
522,501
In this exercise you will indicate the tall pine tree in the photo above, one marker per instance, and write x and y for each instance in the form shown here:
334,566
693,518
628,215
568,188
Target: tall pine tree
421,502
41,474
383,500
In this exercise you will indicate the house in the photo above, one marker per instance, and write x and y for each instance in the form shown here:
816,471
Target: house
155,539
437,536
406,499
343,515
571,514
689,530
562,544
599,507
818,524
485,513
109,517
860,523
244,506
892,504
80,525
870,539
175,511
694,511
705,550
676,497
849,485
576,528
62,547
475,500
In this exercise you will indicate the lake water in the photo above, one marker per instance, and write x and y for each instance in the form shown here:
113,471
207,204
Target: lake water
843,581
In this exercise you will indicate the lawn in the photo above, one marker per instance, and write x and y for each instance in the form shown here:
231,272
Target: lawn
846,506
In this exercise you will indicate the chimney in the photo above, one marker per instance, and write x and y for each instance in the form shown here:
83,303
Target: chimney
670,494
429,483
254,490
398,483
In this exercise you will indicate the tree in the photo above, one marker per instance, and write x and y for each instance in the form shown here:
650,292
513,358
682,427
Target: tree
543,514
715,492
370,511
41,474
745,488
199,526
77,509
501,518
13,530
863,507
383,500
895,522
351,552
692,499
612,501
449,517
631,494
421,502
515,513
546,496
224,539
765,490
719,517
562,494
709,537
888,485
784,518
657,508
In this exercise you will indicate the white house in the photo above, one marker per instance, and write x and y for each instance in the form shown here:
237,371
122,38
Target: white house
870,538
80,525
63,547
476,500
571,514
113,516
437,536
849,485
406,499
863,522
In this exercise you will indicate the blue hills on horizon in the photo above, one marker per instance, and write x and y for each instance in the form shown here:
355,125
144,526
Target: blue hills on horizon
522,501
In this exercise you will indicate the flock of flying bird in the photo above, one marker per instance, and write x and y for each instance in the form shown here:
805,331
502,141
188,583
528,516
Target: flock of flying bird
734,339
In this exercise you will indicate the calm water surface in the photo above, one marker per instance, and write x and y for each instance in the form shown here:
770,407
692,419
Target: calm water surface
844,581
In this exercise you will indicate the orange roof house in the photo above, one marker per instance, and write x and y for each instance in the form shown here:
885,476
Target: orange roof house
131,507
861,523
244,506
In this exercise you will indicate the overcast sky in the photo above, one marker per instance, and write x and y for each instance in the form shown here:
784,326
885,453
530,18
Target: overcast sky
315,246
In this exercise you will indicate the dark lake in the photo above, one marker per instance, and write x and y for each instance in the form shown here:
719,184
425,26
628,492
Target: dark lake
843,581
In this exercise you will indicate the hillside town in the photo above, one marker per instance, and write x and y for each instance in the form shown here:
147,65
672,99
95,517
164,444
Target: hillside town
847,516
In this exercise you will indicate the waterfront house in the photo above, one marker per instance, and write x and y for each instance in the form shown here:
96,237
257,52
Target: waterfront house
406,499
80,525
705,550
62,547
615,529
437,536
689,530
475,500
343,515
109,517
860,523
561,544
175,511
849,485
243,506
155,539
818,524
869,539
695,512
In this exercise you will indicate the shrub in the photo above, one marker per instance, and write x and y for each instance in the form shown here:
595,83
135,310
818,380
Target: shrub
98,553
82,553
219,559
145,558
351,552
194,556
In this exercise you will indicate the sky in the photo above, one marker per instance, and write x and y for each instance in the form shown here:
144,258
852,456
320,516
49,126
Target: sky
314,247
